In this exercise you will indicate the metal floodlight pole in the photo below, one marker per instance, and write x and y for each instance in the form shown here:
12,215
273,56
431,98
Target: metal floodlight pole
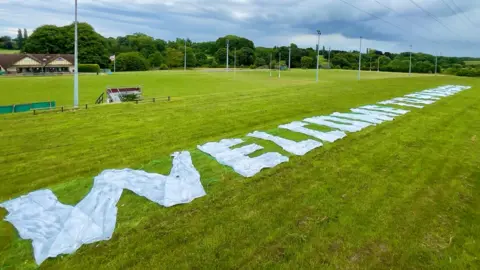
279,59
185,56
228,46
410,67
114,63
235,63
75,75
378,65
289,57
360,59
436,63
318,51
270,66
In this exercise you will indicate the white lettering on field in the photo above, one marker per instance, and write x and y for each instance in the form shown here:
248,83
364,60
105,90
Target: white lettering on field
329,136
414,100
371,118
423,96
385,109
56,228
238,158
296,148
338,123
387,102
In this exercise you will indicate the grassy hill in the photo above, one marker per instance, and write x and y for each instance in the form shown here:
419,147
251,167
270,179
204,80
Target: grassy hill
403,194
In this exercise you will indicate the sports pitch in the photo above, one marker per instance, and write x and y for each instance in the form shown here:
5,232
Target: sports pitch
403,194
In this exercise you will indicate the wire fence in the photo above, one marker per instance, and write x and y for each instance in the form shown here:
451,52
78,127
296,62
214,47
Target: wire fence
87,106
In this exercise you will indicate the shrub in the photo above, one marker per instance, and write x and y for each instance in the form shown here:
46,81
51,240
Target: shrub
252,66
212,63
131,61
129,97
89,68
163,67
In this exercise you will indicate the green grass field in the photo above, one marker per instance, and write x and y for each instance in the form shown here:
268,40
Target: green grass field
401,195
3,51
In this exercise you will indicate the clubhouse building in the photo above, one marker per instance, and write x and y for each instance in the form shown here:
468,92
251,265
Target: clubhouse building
31,64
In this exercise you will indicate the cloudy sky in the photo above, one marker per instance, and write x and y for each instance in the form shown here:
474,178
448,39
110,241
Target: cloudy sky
449,27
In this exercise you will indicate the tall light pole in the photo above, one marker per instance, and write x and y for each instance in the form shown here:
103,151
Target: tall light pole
279,59
318,51
378,65
360,59
289,56
235,63
185,56
410,67
228,46
436,63
75,75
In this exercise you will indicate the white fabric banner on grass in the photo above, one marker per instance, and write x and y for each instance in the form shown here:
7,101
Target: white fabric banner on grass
56,228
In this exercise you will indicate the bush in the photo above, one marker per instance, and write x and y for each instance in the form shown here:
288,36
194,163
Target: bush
163,67
129,97
252,66
131,61
89,68
212,63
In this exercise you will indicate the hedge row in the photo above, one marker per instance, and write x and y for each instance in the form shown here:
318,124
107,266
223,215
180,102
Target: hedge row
89,68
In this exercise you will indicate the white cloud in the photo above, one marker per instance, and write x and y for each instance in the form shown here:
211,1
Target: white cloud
267,22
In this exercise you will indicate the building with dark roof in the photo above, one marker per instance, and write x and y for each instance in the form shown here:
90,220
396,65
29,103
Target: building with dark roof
36,63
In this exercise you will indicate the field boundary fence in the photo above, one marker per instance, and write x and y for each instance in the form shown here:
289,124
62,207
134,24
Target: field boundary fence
36,109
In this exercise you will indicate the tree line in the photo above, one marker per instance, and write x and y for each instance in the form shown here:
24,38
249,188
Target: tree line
8,43
139,51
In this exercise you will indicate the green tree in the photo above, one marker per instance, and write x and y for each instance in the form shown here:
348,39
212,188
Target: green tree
174,58
208,47
6,43
161,45
131,61
201,59
92,47
142,43
260,62
19,39
25,34
221,55
423,67
341,61
306,62
47,39
235,42
264,53
245,56
191,59
212,63
156,59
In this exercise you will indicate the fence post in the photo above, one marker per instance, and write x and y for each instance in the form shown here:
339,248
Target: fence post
168,98
62,108
86,106
34,113
154,100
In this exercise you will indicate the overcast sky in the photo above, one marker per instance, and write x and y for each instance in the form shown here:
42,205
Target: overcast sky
270,22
